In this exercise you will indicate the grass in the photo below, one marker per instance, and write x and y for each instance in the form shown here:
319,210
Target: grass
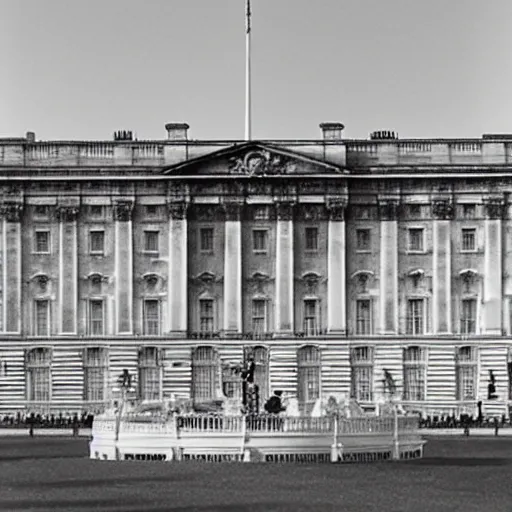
54,474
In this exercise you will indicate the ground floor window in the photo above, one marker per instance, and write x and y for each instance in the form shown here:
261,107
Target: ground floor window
466,373
95,373
205,374
149,373
361,361
308,381
38,374
415,371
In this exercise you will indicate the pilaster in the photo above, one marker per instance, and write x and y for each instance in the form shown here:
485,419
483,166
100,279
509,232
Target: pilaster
123,209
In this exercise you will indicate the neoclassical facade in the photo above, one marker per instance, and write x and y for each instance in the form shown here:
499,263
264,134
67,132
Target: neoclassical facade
350,266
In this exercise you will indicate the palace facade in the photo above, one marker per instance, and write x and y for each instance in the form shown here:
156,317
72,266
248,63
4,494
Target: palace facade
362,267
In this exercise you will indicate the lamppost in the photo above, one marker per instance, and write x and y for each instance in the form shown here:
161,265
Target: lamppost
125,381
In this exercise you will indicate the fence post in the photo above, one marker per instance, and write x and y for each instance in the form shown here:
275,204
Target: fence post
334,447
396,445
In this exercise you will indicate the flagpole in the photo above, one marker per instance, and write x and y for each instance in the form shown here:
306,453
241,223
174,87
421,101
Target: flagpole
248,70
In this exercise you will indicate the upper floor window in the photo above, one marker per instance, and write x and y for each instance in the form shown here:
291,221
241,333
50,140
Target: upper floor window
468,316
96,317
363,316
469,211
466,372
95,373
311,317
415,316
206,316
151,314
311,239
150,372
415,241
97,241
415,372
42,241
96,211
152,210
415,210
259,316
361,363
42,317
206,239
308,375
363,240
42,211
151,241
468,239
260,240
38,374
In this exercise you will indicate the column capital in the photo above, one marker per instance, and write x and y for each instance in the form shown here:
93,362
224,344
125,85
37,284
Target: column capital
178,210
12,211
66,213
123,211
442,209
494,208
284,210
336,209
389,209
232,210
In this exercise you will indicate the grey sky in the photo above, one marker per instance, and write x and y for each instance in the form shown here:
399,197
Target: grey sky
81,69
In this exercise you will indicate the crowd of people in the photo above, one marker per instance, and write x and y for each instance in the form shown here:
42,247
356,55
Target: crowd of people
22,420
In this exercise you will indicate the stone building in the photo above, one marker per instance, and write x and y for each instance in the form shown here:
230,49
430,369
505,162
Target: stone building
350,266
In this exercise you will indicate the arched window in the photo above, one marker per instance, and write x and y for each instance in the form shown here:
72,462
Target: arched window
95,362
205,374
308,382
150,373
415,370
38,373
361,362
466,361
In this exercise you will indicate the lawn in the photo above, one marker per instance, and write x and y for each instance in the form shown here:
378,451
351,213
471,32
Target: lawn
54,474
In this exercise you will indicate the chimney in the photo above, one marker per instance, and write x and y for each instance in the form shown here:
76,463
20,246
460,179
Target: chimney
332,131
177,131
31,137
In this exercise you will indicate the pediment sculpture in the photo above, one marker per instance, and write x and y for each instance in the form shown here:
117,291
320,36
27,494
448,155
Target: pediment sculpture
259,163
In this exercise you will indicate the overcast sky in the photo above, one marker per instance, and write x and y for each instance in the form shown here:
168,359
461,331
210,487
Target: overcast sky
75,69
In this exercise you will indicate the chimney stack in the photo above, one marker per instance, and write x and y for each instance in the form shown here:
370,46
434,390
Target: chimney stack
332,131
31,137
177,131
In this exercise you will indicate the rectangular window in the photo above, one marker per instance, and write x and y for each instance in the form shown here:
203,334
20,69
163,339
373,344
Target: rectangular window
260,240
311,239
96,320
469,211
151,241
468,239
152,210
415,316
416,239
259,316
308,377
38,364
96,211
311,323
363,316
414,373
42,241
42,211
205,374
206,324
363,240
206,239
362,374
95,374
151,317
261,213
97,242
466,370
42,317
468,316
149,374
415,211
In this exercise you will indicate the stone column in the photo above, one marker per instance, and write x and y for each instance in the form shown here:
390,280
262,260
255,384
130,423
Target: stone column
68,269
11,242
336,268
492,296
123,266
284,300
177,286
388,211
442,211
233,268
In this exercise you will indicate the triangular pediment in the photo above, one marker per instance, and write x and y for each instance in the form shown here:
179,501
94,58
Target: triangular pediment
253,159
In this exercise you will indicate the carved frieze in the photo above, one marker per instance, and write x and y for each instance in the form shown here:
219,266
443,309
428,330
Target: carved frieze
362,279
494,209
311,280
123,211
260,163
389,209
442,210
336,209
259,281
284,211
312,212
12,211
232,211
